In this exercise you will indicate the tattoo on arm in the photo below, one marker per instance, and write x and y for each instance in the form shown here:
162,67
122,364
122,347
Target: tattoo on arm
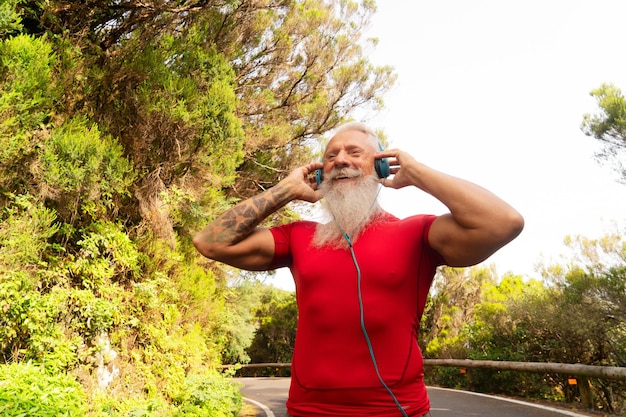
240,221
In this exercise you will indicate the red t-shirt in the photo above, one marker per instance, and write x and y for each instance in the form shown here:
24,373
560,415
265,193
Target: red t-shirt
332,369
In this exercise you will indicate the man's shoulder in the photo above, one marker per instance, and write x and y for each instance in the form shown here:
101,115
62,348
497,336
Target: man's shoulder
417,218
304,223
296,225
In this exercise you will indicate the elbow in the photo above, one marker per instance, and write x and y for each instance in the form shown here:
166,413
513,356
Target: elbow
513,226
205,248
503,230
517,224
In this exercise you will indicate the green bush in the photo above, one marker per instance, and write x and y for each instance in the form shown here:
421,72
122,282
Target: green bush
130,407
29,328
26,390
84,172
10,21
209,395
26,226
446,377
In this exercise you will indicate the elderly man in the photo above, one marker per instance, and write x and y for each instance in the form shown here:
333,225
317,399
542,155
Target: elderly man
362,277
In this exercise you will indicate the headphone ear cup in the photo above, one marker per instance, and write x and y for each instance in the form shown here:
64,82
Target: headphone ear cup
319,176
382,167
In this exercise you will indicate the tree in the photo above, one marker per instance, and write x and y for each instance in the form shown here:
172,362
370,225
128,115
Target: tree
124,127
297,82
456,291
609,126
276,332
593,286
588,310
299,70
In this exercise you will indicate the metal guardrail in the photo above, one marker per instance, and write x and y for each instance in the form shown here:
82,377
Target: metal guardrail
589,371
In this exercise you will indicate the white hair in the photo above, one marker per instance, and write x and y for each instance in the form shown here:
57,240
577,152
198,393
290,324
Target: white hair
360,127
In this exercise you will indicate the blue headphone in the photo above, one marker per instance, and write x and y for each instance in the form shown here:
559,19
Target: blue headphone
381,165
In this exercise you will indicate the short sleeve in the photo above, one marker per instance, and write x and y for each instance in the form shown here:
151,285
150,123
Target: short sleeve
432,254
282,246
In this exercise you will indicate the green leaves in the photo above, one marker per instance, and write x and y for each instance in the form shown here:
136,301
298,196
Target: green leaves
208,395
611,121
609,127
27,94
25,227
122,131
84,172
10,20
26,390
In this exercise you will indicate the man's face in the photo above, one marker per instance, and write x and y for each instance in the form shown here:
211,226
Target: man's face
350,149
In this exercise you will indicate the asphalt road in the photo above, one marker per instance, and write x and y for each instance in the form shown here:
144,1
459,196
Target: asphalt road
269,396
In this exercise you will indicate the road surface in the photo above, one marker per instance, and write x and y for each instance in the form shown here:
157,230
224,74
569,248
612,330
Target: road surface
269,396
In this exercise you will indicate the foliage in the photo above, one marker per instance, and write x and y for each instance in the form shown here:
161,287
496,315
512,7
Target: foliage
593,297
296,82
208,396
83,174
26,226
574,315
299,70
10,19
124,128
27,390
456,292
239,324
609,126
27,94
275,336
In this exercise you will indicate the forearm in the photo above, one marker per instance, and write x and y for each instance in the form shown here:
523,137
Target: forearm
240,221
470,204
479,222
234,237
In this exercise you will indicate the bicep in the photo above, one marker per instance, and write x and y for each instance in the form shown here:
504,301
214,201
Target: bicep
254,253
460,246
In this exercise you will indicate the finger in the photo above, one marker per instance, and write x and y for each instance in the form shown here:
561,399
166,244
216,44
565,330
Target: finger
393,161
315,165
384,154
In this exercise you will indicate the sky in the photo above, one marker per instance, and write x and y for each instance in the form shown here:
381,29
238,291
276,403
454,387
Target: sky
494,92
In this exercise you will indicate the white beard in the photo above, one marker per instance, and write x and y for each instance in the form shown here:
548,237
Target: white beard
348,208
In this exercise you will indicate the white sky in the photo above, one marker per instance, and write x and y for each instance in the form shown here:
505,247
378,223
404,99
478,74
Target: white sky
494,92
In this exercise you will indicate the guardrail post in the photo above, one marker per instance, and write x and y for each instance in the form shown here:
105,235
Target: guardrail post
584,389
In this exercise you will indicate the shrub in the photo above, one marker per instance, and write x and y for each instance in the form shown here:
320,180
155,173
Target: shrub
209,395
26,390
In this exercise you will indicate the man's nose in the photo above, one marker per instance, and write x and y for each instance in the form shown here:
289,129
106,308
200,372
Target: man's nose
341,159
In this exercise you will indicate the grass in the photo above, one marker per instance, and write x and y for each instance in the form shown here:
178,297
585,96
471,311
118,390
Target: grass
248,410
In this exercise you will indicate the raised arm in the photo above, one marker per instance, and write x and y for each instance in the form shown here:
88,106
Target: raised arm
234,238
479,222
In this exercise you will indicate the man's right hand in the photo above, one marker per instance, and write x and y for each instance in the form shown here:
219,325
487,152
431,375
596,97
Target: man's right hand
301,183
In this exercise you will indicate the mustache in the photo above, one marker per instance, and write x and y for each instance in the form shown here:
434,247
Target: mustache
345,172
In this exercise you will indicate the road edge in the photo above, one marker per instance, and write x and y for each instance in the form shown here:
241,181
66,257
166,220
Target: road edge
512,400
263,407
